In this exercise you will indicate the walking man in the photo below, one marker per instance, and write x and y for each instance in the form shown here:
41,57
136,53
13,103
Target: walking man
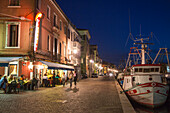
53,79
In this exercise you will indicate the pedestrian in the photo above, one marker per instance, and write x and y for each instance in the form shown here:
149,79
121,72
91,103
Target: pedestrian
3,83
58,81
53,85
45,80
75,79
71,78
63,79
0,77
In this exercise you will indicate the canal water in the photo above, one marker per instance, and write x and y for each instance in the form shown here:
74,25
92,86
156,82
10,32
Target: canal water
141,109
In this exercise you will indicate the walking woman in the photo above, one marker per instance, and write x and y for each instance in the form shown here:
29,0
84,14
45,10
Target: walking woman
71,78
63,79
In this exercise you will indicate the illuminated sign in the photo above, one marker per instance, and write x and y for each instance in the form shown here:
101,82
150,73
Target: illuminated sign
37,30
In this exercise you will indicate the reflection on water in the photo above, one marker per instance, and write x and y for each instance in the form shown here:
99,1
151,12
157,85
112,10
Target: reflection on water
142,109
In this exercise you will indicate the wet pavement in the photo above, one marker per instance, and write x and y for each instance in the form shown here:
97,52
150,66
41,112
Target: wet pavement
92,95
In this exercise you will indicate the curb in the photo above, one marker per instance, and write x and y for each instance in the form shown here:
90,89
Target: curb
126,105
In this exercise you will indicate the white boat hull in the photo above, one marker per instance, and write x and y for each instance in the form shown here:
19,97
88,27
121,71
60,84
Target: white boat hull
150,94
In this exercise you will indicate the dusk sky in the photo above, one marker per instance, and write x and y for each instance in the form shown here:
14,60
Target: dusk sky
108,23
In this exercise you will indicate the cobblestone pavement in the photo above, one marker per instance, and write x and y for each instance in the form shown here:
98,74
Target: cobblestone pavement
93,95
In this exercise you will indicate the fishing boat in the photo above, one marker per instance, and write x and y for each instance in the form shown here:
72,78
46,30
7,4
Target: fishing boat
143,82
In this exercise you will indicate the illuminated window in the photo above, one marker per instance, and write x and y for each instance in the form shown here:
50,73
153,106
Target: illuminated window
55,20
12,34
13,2
48,12
60,25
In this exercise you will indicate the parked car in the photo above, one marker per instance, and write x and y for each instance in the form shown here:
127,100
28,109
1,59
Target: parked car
84,76
94,75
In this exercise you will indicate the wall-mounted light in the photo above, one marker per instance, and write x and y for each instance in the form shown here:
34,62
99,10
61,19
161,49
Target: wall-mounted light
75,51
91,61
30,66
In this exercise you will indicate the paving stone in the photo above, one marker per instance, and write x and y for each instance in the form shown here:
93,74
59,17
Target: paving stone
92,95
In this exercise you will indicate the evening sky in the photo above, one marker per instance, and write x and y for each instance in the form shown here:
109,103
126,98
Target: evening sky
108,23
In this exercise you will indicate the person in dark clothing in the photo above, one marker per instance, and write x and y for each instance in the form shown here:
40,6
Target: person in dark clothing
75,78
3,82
34,83
53,84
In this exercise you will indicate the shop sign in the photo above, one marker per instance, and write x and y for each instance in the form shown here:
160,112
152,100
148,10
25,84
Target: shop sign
37,30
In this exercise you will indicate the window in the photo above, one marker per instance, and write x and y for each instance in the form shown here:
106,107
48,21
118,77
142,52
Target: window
150,77
60,48
146,70
13,2
127,80
60,25
156,69
136,69
65,29
133,78
82,60
38,4
140,69
55,20
71,36
12,34
68,33
152,69
48,12
48,43
55,43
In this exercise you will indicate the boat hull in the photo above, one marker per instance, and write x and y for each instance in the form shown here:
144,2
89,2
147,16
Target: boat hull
150,94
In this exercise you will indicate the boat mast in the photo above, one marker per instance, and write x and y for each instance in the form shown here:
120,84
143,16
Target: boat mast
143,51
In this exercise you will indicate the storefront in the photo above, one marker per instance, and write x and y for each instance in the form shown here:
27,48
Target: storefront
51,67
9,66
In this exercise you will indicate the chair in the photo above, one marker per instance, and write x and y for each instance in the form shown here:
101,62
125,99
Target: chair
21,82
13,87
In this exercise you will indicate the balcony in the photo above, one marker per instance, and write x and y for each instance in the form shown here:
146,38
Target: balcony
55,28
57,58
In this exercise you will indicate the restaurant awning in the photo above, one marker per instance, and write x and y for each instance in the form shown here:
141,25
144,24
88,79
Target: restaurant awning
52,65
5,60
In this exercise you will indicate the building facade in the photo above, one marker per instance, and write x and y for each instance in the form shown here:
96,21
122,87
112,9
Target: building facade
95,63
34,38
85,53
74,48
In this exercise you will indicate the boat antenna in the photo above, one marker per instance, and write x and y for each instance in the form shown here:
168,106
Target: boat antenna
130,33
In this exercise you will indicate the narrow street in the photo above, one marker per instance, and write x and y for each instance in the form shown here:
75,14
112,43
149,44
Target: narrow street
92,95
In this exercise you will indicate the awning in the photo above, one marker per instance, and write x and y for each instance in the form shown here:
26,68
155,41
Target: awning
5,60
3,64
57,66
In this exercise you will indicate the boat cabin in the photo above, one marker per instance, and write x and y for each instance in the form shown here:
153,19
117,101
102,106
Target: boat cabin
142,73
